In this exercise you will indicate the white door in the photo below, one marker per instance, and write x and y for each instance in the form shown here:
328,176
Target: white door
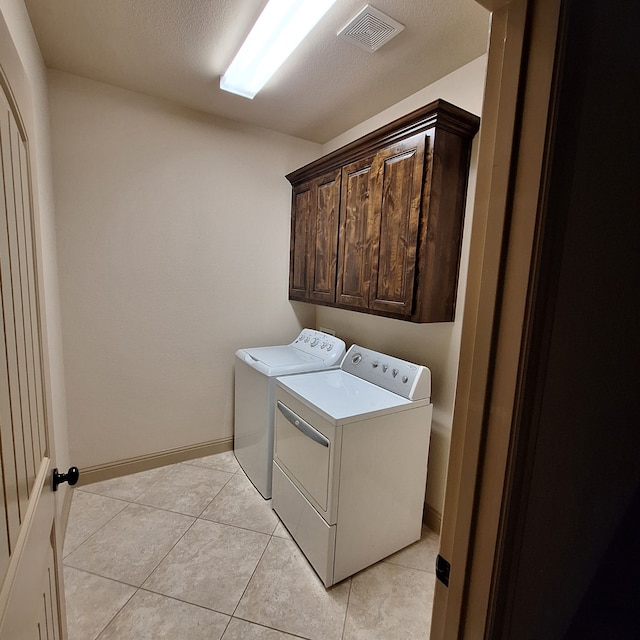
30,592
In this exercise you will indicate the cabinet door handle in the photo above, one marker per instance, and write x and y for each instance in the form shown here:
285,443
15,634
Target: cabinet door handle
302,425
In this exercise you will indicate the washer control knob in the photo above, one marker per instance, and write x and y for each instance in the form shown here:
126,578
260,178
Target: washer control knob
356,358
395,372
405,379
315,341
329,346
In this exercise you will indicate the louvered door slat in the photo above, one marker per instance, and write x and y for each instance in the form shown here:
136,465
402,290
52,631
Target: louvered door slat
14,475
17,243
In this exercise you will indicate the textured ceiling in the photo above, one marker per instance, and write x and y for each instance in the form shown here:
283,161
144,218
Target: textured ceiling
177,49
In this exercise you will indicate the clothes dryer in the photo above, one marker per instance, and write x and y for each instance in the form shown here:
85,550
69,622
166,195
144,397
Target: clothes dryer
350,460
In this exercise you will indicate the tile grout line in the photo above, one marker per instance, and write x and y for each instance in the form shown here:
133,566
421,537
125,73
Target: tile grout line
253,573
346,610
233,615
151,506
64,557
113,617
199,516
166,469
187,602
97,575
173,546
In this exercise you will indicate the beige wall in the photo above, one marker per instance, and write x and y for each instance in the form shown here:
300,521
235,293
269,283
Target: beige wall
434,345
14,14
173,232
173,237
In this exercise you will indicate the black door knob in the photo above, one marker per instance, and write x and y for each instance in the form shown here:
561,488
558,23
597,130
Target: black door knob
71,477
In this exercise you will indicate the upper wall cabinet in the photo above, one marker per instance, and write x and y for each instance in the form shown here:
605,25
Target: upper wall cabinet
376,226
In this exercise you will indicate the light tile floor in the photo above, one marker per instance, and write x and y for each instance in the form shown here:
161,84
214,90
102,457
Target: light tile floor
193,551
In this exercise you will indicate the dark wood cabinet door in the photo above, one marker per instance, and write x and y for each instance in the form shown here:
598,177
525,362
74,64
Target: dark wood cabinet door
324,237
301,211
396,194
356,236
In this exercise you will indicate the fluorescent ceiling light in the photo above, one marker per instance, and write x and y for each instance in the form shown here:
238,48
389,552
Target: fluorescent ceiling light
281,27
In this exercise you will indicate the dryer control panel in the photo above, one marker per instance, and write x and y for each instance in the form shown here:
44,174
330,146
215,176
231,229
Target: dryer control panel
411,381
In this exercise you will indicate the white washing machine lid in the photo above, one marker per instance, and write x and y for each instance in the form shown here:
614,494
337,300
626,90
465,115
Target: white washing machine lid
280,361
341,397
282,356
310,351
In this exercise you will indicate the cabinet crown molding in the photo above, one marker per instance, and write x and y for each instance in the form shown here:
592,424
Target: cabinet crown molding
439,113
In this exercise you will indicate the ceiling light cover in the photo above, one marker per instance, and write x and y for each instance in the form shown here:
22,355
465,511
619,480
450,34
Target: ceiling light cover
370,29
282,25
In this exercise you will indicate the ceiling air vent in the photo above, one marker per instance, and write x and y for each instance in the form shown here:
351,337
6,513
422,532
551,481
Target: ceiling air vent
370,29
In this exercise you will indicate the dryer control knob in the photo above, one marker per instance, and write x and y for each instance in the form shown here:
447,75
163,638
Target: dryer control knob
375,364
405,379
395,372
356,358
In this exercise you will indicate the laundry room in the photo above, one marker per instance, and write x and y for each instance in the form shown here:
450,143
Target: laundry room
400,249
173,232
167,228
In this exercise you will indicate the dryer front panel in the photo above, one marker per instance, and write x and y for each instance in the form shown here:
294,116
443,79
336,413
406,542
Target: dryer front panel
305,450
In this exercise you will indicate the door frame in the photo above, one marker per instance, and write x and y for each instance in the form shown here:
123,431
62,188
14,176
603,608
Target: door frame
502,265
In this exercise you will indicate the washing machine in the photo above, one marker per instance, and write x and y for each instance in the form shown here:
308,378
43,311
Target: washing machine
350,460
256,370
